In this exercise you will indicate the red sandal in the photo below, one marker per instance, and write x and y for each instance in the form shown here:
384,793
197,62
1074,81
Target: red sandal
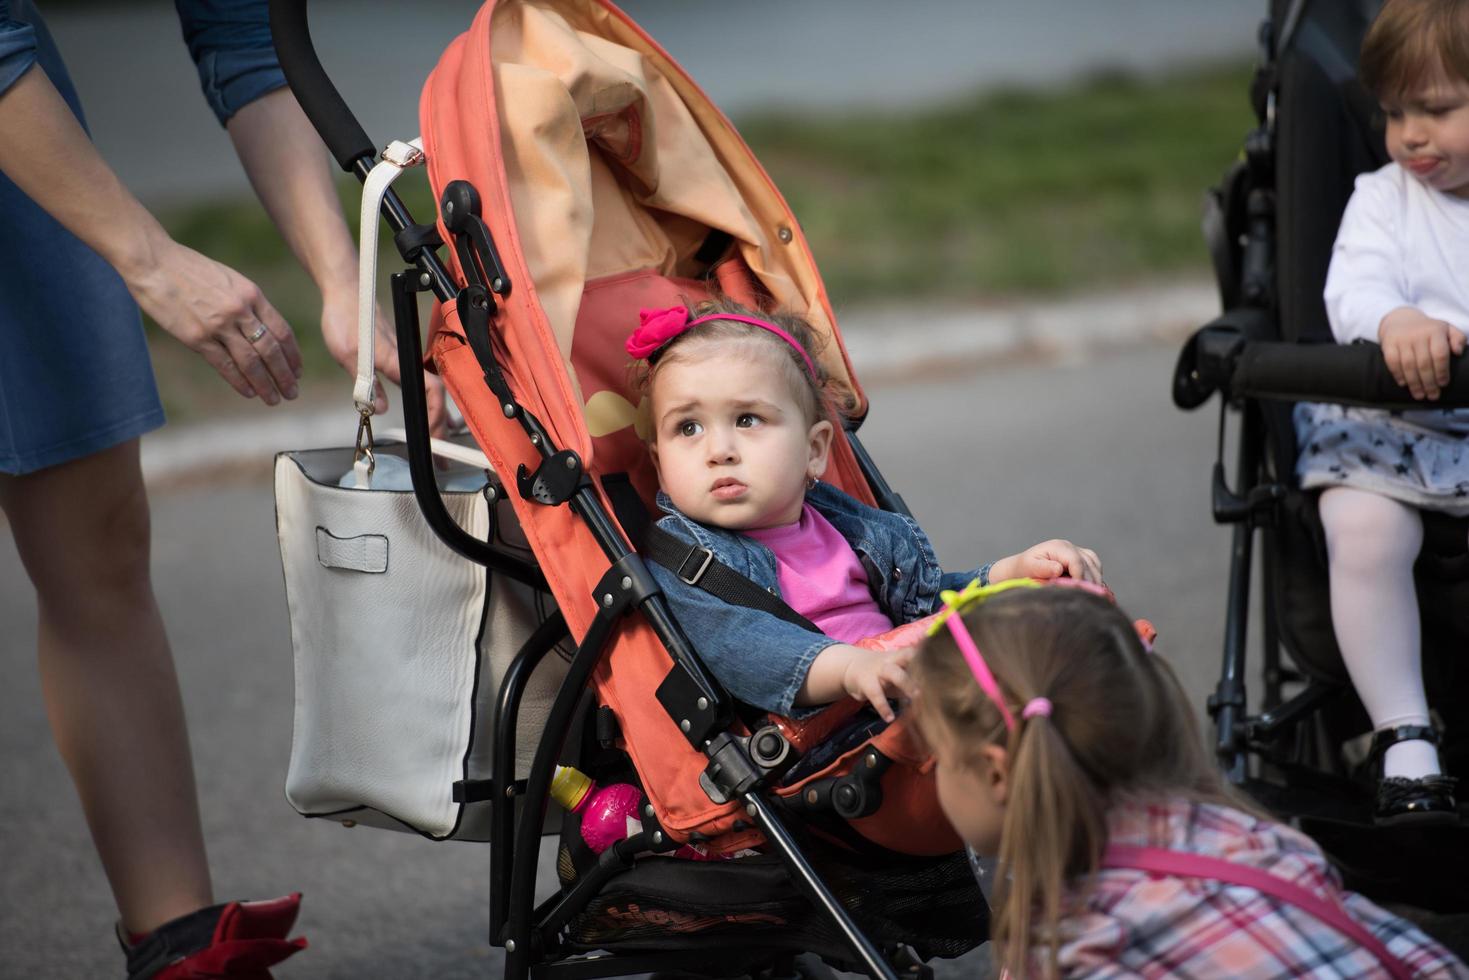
237,941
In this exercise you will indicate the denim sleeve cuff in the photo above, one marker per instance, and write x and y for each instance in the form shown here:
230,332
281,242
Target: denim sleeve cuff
233,78
786,705
17,51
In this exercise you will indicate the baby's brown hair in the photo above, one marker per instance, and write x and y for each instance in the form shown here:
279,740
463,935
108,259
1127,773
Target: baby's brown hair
819,395
1408,40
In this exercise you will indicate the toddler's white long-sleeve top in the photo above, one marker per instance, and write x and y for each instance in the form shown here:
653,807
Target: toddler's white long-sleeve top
1400,244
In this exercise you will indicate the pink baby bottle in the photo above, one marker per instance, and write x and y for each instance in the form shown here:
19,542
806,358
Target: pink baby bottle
608,813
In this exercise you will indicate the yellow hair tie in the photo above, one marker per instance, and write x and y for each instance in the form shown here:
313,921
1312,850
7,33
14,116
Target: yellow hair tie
957,602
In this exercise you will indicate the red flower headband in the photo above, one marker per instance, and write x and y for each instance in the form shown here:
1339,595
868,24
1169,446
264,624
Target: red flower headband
658,327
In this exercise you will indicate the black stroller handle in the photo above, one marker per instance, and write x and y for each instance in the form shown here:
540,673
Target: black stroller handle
319,98
1219,357
1349,374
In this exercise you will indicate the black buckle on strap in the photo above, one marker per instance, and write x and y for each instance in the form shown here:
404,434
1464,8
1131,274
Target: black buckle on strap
1385,738
698,572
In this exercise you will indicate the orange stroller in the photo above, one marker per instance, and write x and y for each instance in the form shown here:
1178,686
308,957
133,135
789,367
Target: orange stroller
581,175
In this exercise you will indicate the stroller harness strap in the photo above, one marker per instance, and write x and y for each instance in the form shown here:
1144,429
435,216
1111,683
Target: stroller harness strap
1185,864
697,566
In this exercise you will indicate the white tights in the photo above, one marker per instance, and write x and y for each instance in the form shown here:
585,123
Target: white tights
1372,542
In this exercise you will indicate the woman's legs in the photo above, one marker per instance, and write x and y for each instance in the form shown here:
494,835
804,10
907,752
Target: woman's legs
82,531
1372,542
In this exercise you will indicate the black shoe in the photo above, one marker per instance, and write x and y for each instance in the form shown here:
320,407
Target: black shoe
1421,801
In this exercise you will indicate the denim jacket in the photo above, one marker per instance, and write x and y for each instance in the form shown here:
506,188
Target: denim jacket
763,660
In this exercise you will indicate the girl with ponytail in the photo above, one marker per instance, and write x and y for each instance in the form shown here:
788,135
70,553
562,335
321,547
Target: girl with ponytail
1067,749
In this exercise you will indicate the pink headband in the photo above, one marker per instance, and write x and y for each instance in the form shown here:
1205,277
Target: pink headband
954,605
987,683
658,327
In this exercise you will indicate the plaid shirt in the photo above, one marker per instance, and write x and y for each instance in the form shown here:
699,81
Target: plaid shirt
1133,924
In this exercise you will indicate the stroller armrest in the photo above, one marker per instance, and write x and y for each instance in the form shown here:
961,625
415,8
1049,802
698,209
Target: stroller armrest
1221,356
1353,374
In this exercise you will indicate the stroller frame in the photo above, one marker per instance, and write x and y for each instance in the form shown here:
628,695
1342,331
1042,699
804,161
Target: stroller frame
1240,355
691,696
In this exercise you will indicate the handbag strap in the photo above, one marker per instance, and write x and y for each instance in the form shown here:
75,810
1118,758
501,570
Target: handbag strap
1185,864
696,565
397,157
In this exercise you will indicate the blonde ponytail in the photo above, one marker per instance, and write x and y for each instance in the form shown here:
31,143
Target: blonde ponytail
1053,823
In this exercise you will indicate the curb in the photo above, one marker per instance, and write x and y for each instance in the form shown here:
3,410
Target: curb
880,342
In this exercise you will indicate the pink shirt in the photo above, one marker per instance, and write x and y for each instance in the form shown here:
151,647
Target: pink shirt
821,577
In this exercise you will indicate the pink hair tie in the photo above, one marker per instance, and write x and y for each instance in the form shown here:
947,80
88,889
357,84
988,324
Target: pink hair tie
1036,706
658,327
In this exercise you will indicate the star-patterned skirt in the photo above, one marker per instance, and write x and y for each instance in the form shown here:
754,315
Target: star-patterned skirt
1424,465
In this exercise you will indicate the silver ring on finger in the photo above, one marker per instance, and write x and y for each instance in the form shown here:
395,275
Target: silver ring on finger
257,333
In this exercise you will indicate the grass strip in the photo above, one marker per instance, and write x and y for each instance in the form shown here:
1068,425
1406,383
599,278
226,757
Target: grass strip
1011,192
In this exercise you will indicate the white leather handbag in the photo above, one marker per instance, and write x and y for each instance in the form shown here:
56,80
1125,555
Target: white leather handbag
400,643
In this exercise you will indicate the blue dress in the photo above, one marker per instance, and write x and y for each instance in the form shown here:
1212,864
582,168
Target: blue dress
75,378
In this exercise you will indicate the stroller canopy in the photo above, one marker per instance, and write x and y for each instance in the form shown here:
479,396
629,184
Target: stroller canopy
623,181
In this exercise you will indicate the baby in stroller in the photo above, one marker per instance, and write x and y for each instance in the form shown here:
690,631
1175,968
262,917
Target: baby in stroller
740,432
1397,278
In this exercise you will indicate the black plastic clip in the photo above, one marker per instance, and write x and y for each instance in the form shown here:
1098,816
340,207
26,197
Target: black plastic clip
473,242
554,480
475,307
687,703
1258,505
859,793
481,790
852,796
413,239
609,730
626,583
731,772
1221,699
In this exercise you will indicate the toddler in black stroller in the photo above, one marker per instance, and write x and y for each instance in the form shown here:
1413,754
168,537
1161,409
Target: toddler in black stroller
1360,491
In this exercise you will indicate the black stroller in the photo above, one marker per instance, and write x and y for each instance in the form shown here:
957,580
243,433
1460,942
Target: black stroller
1270,228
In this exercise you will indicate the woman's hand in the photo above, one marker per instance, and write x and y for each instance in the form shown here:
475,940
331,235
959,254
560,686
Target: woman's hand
221,315
1417,349
1050,559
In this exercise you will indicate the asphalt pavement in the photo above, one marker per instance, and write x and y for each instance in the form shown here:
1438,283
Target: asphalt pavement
1085,445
